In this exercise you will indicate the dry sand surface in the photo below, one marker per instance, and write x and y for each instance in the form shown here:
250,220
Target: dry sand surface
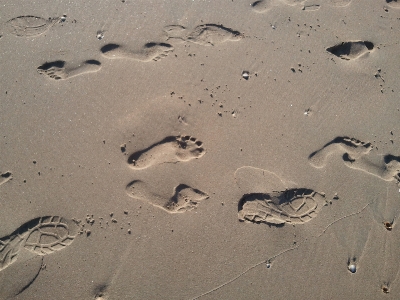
198,149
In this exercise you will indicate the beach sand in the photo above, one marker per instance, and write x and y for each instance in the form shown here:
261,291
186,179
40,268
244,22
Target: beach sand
199,149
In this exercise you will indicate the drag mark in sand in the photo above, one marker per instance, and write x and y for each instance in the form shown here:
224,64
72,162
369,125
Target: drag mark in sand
172,149
270,259
205,35
56,69
149,52
184,197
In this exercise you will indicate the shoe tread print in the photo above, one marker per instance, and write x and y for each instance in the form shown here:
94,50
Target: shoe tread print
41,236
293,206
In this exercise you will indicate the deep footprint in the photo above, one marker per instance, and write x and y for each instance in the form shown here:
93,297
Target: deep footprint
184,197
149,52
56,70
30,25
40,236
350,148
293,206
170,150
389,170
351,50
206,35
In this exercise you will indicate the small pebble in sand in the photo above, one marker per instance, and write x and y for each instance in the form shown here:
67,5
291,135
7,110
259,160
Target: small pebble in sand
246,75
352,268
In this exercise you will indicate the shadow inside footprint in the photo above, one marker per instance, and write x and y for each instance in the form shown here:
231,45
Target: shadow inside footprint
93,62
152,44
108,48
351,50
46,66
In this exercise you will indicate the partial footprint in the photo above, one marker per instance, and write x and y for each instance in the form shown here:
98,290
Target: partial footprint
393,3
389,169
30,25
4,177
40,236
293,2
184,197
351,50
57,70
311,7
350,148
149,52
206,35
293,206
262,6
170,150
339,3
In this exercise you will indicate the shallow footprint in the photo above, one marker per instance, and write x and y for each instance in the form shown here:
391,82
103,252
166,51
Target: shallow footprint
206,34
351,50
149,52
184,197
350,148
393,3
262,6
339,3
30,25
172,149
40,236
56,70
293,2
293,206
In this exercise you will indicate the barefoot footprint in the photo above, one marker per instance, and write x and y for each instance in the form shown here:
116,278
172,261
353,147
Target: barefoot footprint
206,34
56,70
149,52
30,25
350,148
351,50
184,197
169,150
40,236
